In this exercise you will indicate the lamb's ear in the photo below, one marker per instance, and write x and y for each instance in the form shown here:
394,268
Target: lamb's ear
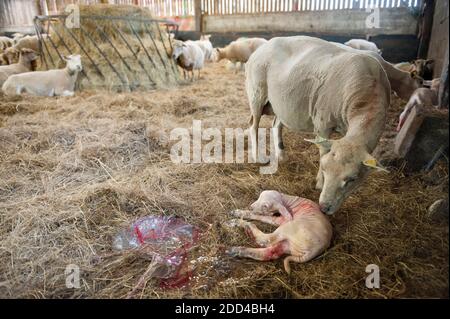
322,142
371,162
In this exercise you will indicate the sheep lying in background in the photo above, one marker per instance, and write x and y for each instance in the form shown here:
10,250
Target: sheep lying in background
421,67
46,83
5,43
9,56
422,96
189,56
205,44
25,64
361,44
239,50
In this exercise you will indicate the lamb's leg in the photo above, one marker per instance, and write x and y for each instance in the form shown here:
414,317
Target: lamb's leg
198,74
269,253
278,139
250,215
262,239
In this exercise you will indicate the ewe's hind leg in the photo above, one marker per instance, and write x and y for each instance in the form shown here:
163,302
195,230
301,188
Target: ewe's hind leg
256,87
263,254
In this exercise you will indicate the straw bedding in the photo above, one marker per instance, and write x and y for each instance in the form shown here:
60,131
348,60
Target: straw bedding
74,170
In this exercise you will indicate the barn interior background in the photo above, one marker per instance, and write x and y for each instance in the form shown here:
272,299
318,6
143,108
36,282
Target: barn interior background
405,32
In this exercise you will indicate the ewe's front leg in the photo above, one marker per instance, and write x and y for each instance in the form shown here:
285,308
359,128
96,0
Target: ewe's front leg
278,139
319,178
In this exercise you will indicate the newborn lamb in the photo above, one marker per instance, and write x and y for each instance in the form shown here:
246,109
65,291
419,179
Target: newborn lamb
303,232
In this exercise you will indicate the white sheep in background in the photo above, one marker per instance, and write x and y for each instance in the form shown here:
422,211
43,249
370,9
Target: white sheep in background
17,36
5,43
361,44
239,50
422,96
46,83
189,56
205,44
25,64
9,56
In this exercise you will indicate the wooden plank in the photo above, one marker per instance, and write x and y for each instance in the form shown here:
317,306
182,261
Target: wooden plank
405,137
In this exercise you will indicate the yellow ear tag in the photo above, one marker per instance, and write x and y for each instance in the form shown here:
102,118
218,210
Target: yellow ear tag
371,163
374,164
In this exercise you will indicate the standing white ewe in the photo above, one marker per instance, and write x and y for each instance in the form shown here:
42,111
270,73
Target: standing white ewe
46,83
205,44
189,56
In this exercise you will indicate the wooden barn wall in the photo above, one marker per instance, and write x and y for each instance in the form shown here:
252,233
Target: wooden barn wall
438,48
17,15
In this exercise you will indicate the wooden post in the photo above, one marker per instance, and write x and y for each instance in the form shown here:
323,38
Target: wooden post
443,86
198,15
43,9
425,26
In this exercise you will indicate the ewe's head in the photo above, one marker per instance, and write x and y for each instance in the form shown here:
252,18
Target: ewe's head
178,47
9,56
345,165
217,55
73,63
28,54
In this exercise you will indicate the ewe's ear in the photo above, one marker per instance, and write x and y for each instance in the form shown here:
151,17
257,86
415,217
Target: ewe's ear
429,62
322,142
371,162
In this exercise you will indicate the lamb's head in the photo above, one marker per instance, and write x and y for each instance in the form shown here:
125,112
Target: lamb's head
345,164
73,63
268,202
178,48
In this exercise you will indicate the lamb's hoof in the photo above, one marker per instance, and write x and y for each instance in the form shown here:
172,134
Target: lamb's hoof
237,213
234,223
233,251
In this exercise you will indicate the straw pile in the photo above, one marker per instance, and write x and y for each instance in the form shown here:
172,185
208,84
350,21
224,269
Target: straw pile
147,40
74,171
